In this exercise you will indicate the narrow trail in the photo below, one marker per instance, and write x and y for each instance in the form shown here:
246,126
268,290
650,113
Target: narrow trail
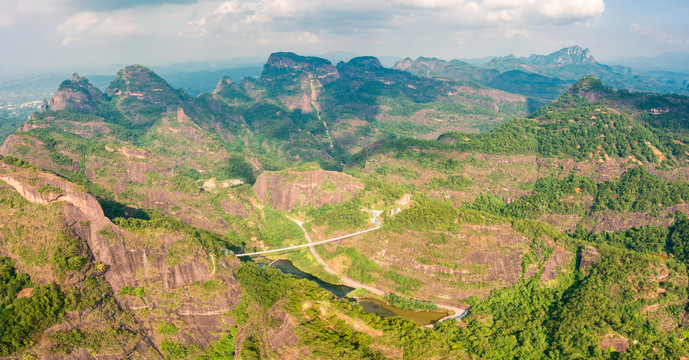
314,97
345,280
454,311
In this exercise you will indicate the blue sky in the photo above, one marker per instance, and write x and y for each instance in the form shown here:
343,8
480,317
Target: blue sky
83,34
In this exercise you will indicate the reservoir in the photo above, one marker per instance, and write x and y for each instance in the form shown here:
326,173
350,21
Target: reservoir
374,306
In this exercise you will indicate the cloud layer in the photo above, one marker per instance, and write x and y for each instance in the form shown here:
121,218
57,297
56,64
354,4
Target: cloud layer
187,30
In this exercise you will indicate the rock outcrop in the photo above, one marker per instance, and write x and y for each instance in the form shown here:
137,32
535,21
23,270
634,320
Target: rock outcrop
286,190
162,264
143,97
230,91
294,61
76,94
565,56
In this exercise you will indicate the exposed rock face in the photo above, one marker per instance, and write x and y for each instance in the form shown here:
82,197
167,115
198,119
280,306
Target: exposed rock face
589,256
361,67
235,207
130,153
306,63
144,97
316,188
298,79
565,56
556,259
404,64
133,261
366,62
285,335
590,88
223,84
137,81
33,151
429,67
615,341
229,90
76,94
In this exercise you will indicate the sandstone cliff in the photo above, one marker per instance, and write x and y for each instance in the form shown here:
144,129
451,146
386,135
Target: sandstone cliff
169,266
286,190
76,94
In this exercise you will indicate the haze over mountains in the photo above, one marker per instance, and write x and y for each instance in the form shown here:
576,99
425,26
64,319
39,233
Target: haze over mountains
540,193
558,70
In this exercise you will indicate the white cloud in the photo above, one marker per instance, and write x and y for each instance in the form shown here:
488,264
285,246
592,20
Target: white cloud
15,11
118,25
571,9
498,5
516,12
316,21
195,28
95,25
431,4
76,25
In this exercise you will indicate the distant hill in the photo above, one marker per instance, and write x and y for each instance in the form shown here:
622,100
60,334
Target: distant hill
550,74
672,61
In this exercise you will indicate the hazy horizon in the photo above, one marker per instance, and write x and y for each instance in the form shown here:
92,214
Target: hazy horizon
80,34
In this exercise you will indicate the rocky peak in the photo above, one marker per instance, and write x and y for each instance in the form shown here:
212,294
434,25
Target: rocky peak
422,65
565,56
367,67
589,83
298,62
590,88
404,64
76,94
283,68
367,62
137,81
223,84
505,63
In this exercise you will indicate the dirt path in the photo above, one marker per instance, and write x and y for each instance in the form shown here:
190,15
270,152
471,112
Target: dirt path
454,311
345,280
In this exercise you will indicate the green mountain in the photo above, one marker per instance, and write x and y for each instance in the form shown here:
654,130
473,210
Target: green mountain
563,232
543,78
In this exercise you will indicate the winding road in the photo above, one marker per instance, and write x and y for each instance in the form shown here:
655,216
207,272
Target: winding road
455,311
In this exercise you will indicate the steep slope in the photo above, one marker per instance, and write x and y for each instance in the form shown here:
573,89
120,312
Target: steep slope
574,163
78,95
152,289
543,78
143,97
460,220
152,269
515,79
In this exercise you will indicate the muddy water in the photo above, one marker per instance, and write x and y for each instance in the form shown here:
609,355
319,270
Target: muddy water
287,267
369,305
384,310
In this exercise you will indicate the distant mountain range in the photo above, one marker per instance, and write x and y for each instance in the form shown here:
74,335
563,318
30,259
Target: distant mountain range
543,78
673,61
563,230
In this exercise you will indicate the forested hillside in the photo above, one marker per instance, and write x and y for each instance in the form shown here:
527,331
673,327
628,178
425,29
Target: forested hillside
563,231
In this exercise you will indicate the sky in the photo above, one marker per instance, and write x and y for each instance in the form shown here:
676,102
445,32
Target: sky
89,34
